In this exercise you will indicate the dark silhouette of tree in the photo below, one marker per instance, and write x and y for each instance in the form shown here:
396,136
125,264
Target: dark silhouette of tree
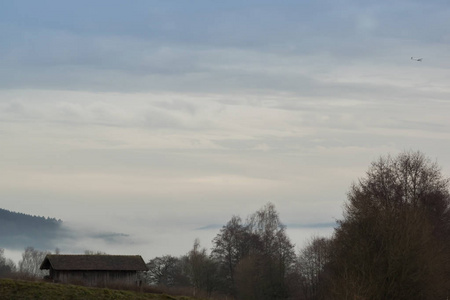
7,266
255,258
251,278
166,271
311,263
393,240
232,244
202,270
271,257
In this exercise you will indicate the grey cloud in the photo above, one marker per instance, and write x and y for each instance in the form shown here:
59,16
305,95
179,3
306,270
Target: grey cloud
312,225
75,112
159,119
291,144
418,125
174,56
111,237
210,226
77,239
14,107
177,105
289,226
326,85
240,144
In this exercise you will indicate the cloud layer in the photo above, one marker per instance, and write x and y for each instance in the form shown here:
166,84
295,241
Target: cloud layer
156,118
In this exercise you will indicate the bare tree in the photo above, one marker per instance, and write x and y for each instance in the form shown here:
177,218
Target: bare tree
202,269
311,264
273,255
232,244
407,180
31,261
394,240
166,270
7,266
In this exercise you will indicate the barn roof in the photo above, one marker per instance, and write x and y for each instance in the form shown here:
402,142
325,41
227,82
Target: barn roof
94,263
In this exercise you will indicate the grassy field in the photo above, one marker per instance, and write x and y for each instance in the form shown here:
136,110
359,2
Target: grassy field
23,290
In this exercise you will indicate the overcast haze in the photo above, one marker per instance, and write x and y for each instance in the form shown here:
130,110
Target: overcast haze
146,124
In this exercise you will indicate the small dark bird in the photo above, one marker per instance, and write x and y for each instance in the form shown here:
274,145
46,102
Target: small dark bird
416,59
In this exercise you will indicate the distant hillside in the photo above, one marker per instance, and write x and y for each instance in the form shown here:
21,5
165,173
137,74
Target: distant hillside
16,289
18,230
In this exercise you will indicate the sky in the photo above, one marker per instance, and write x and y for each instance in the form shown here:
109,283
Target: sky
146,124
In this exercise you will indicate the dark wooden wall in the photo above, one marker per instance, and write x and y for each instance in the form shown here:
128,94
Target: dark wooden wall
95,278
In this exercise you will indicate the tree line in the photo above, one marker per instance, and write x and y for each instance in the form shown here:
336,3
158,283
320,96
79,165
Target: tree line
393,242
250,258
18,229
27,267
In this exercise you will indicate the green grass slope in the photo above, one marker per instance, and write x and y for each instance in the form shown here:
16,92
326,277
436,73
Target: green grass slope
24,290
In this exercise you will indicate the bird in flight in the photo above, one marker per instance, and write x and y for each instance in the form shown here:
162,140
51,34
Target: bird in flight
416,59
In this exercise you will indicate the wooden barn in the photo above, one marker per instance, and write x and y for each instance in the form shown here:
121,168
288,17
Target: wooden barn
94,270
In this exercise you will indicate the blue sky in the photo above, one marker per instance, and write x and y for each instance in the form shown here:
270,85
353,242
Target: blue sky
156,118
